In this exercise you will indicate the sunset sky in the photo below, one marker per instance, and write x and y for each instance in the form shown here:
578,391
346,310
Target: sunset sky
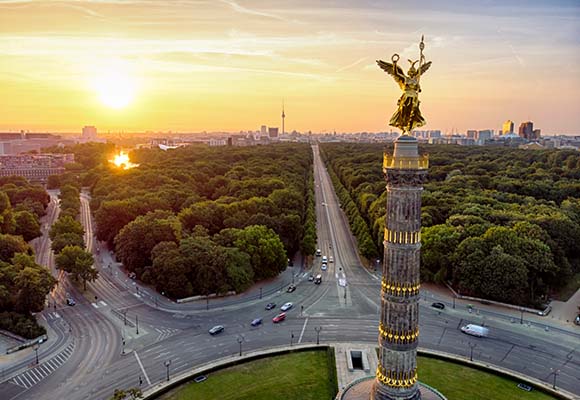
136,65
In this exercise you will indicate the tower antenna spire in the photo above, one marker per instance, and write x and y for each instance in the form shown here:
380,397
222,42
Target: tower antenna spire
283,117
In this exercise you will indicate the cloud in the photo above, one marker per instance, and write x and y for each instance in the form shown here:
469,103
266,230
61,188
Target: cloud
349,66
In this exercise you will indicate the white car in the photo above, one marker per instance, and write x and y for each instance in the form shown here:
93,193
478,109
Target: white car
286,306
475,330
324,267
330,259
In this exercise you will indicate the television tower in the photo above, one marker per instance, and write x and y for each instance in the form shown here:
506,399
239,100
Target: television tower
283,116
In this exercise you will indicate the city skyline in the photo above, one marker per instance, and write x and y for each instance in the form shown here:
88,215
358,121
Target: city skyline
226,66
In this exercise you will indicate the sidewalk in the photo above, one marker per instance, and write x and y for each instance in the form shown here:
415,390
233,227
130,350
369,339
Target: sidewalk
345,372
566,311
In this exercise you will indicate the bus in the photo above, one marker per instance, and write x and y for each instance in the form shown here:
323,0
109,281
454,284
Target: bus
318,279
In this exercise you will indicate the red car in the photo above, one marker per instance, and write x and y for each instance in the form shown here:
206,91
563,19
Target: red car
279,318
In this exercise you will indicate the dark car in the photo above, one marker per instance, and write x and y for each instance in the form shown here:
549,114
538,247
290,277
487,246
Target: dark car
70,301
291,288
440,306
216,329
310,278
270,306
256,322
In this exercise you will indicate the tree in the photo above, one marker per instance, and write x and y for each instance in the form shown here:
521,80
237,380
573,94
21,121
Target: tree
31,284
129,394
27,225
10,245
7,222
66,224
265,249
77,262
67,239
137,239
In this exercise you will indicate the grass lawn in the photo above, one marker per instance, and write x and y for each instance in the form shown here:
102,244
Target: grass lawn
295,376
458,382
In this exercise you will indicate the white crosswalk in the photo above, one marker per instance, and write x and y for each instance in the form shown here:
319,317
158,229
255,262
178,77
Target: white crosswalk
34,375
164,333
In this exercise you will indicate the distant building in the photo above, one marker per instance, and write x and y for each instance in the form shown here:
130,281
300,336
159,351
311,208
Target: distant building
526,130
537,134
217,142
5,148
89,133
273,132
484,135
531,146
472,134
34,167
507,127
264,130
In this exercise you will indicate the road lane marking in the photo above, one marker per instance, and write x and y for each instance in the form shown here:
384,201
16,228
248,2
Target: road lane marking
142,368
302,333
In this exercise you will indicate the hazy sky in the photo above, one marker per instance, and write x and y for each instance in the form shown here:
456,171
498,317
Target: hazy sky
189,65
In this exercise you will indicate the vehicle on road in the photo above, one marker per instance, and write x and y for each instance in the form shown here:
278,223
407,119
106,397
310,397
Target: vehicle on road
330,259
286,306
475,330
324,267
291,288
199,379
70,301
270,306
310,278
216,329
440,306
577,320
318,279
256,322
324,259
279,318
318,252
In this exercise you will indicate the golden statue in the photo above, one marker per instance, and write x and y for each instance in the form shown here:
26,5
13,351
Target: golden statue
408,116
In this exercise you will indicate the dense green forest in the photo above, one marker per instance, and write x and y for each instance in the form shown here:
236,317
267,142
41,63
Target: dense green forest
23,283
499,223
199,220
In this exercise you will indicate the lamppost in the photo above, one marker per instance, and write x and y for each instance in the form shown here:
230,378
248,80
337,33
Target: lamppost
291,338
318,329
521,315
454,302
35,347
136,324
555,372
377,265
125,317
167,364
240,341
260,293
471,347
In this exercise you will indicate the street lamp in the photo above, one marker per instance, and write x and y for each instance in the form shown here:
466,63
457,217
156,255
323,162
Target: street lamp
291,337
240,341
521,315
136,324
454,302
471,347
167,364
35,347
318,329
555,372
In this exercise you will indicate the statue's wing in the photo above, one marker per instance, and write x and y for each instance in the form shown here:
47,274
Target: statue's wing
425,67
398,74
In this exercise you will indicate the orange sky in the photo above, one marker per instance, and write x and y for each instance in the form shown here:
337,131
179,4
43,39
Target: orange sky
227,65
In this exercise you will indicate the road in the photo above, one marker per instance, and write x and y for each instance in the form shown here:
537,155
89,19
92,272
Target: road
178,332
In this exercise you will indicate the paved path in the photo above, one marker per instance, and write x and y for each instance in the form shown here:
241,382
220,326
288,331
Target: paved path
566,311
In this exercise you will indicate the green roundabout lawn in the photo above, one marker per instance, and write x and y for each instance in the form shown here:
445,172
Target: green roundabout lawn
302,375
458,382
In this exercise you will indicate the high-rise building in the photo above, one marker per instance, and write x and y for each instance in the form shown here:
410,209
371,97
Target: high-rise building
283,117
396,376
273,132
484,135
263,130
537,134
89,133
507,127
526,130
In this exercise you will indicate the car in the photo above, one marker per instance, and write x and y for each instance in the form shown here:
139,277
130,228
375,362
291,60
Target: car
440,306
291,288
279,318
324,267
324,259
330,259
70,301
199,379
318,252
310,278
475,330
256,322
270,306
216,329
286,306
577,320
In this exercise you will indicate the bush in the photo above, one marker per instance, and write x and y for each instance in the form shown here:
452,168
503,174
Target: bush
24,325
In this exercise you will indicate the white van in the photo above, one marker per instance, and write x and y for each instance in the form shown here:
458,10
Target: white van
324,259
475,330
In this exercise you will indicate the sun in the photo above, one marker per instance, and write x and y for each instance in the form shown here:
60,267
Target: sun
115,86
